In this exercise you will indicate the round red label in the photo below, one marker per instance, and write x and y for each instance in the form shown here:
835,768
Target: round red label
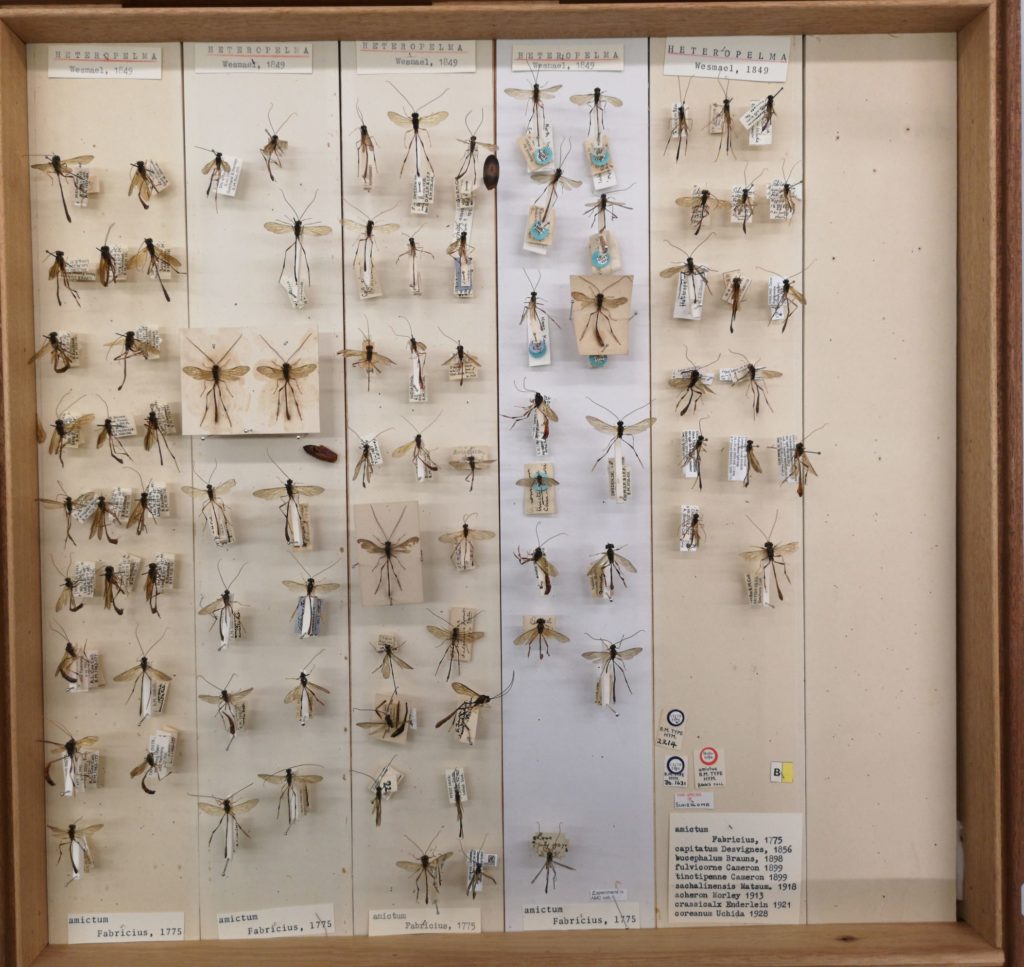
708,755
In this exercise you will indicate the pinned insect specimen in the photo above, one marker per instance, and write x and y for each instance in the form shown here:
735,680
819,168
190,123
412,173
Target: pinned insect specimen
427,867
418,357
414,250
112,589
693,282
461,365
287,375
464,716
701,204
539,484
469,459
299,228
142,675
388,550
63,350
306,695
784,298
551,847
216,168
149,766
455,780
218,376
73,837
476,860
61,167
692,383
366,154
143,182
543,569
70,665
387,647
722,120
391,721
462,254
72,757
148,503
213,509
383,784
423,464
100,518
538,409
611,661
608,566
752,462
294,791
306,616
465,177
154,258
783,194
366,246
111,431
320,452
413,136
106,268
159,576
230,707
158,425
458,638
539,323
596,101
691,528
229,810
799,463
69,587
224,610
603,250
540,632
768,112
742,204
142,343
770,555
753,377
60,272
619,431
694,446
67,429
735,293
367,359
537,143
69,505
680,126
370,456
290,508
540,226
463,555
274,150
596,305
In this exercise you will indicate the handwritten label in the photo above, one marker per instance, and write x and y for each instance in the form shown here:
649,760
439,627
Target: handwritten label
735,868
742,58
390,923
102,61
277,922
581,916
415,56
125,927
671,722
592,56
710,767
250,58
694,800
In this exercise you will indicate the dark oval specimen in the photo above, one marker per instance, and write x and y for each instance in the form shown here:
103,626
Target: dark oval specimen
321,452
491,171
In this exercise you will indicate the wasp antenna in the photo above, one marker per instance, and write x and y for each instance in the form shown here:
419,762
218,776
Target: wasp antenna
237,575
316,191
303,566
313,659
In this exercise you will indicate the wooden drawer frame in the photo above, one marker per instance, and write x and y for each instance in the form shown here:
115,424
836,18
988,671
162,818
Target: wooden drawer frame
990,577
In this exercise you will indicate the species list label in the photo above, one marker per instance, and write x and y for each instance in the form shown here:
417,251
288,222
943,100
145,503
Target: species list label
103,61
125,927
254,58
415,56
739,58
735,868
581,916
277,922
424,919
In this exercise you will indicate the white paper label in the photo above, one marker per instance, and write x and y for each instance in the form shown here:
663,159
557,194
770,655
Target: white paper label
593,56
581,916
131,63
739,58
677,771
313,920
709,764
616,894
125,927
735,868
737,459
253,58
694,800
424,919
671,722
415,56
786,448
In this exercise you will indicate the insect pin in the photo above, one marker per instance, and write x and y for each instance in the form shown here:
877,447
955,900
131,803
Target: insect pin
538,321
543,569
422,462
230,707
306,695
463,555
158,425
306,616
540,225
466,176
73,837
743,198
692,274
611,661
458,638
460,364
537,141
387,647
143,182
106,268
61,274
391,718
784,298
217,167
299,228
366,154
69,505
366,247
224,610
427,868
414,123
539,410
67,429
694,446
383,785
701,203
470,460
606,567
63,350
679,129
60,167
290,507
287,374
367,359
753,377
388,550
68,589
597,303
143,675
540,633
294,793
153,258
133,344
213,508
463,718
219,377
799,467
370,455
414,251
273,151
229,810
692,383
149,766
551,846
723,120
71,755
